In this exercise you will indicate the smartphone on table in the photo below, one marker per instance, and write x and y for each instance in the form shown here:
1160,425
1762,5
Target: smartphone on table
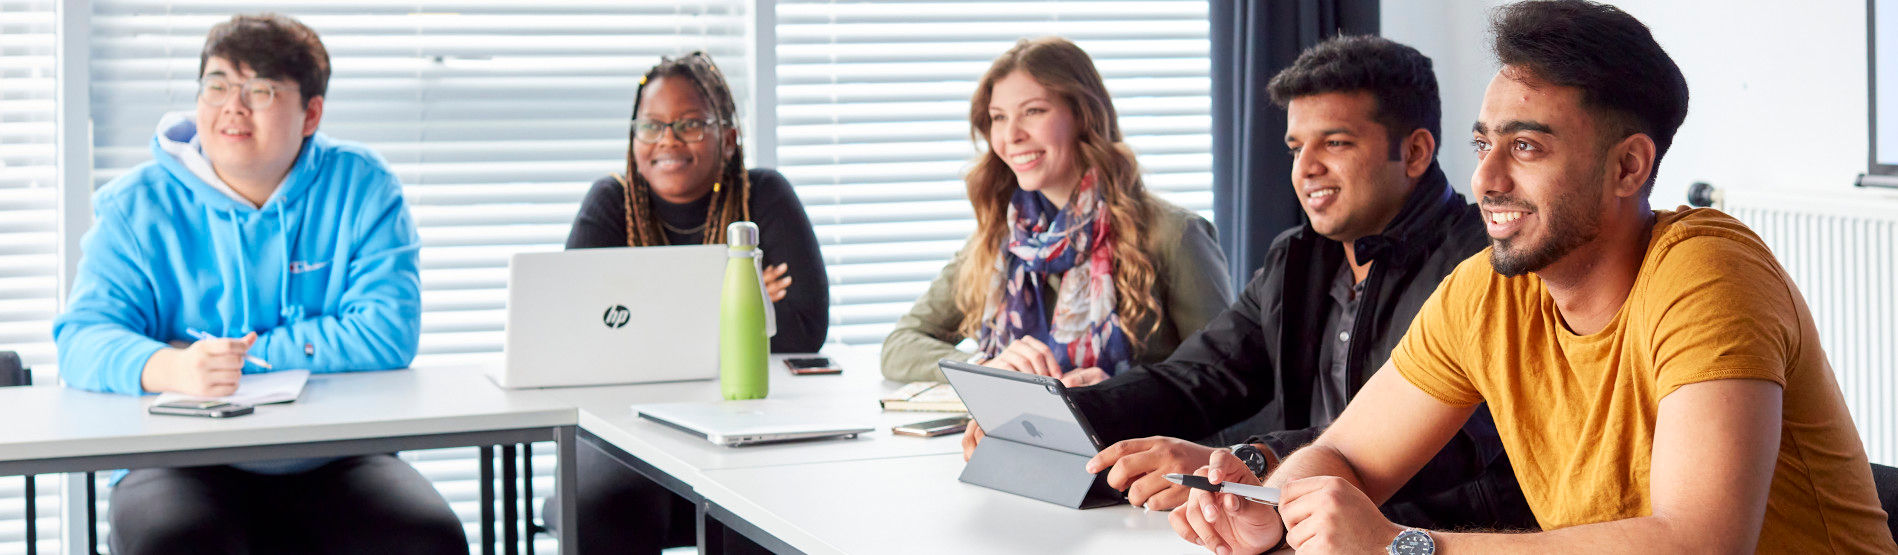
933,428
809,366
207,409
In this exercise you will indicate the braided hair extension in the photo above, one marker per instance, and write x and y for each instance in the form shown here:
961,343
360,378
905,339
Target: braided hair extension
731,192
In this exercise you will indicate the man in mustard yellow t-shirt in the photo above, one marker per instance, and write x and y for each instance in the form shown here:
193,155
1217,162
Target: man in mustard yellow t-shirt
1656,379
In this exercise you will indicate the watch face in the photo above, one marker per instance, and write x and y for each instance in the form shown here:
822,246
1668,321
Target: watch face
1255,461
1413,542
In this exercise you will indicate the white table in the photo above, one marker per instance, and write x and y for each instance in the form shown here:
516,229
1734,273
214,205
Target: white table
606,414
678,460
915,505
56,429
879,493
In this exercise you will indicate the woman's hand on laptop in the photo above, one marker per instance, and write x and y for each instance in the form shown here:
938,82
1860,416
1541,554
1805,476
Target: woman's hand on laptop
1028,355
777,281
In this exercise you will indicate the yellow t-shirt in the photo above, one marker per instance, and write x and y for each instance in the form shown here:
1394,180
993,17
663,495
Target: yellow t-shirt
1576,413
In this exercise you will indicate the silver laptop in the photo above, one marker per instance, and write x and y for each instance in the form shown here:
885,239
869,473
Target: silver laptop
611,316
735,423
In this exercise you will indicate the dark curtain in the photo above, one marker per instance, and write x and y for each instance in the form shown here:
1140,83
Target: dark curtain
1251,41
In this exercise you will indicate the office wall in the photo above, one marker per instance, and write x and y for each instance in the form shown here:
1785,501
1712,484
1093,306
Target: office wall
1778,89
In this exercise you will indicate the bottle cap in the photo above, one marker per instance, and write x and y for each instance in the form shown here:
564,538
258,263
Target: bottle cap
741,234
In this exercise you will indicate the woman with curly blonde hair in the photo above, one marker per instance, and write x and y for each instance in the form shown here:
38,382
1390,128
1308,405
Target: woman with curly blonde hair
1075,270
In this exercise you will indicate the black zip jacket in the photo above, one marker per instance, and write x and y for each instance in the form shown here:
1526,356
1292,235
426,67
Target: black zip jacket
1260,358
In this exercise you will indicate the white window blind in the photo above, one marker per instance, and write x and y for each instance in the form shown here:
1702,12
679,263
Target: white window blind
872,124
28,241
496,116
28,189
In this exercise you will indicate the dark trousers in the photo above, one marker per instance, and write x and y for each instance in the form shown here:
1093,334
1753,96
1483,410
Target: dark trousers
622,512
366,504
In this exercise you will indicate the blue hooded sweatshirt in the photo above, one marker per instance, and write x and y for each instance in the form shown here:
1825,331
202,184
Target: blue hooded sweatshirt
325,271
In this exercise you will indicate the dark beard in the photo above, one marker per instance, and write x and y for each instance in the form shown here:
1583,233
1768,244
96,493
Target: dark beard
1566,235
1573,222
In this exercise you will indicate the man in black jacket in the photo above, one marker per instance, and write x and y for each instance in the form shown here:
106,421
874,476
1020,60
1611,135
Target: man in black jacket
1318,318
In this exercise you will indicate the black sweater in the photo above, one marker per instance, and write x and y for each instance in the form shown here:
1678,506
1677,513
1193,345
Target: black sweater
1260,358
784,234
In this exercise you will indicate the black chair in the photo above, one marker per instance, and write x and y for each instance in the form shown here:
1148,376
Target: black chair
13,373
1885,479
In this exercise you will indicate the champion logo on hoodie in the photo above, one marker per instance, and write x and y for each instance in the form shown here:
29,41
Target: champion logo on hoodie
301,267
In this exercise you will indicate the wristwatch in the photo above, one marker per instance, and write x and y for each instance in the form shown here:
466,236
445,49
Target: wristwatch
1413,541
1249,454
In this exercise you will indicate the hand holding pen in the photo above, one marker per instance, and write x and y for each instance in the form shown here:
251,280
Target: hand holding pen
247,339
209,367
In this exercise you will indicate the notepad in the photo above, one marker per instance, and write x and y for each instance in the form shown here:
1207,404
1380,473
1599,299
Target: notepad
924,397
282,386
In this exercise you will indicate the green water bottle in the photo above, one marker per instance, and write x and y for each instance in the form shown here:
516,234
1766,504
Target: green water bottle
742,349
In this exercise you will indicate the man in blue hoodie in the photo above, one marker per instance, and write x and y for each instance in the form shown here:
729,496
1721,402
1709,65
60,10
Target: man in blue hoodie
249,224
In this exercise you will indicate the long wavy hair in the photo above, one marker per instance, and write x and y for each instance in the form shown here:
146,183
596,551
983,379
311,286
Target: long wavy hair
731,193
1067,71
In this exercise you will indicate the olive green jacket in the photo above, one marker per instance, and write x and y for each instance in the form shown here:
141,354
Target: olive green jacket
1190,289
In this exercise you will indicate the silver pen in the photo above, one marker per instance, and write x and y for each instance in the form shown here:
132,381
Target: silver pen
1255,494
200,335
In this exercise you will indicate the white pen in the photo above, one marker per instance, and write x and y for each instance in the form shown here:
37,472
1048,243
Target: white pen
200,335
1255,494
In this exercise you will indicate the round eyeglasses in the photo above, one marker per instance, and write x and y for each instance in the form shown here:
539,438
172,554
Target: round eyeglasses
647,130
217,91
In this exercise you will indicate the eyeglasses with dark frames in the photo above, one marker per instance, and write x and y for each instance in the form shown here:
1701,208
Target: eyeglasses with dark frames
691,130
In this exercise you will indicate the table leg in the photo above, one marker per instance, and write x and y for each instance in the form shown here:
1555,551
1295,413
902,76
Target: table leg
510,494
487,499
527,497
92,513
32,516
711,532
566,479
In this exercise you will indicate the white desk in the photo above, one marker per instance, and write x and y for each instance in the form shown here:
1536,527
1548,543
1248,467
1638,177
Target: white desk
606,414
55,429
847,496
678,460
916,505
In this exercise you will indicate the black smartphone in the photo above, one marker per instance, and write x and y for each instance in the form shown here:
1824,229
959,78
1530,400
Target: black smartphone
806,366
207,409
933,428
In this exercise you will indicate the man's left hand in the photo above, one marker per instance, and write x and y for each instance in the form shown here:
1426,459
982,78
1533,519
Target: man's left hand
1326,514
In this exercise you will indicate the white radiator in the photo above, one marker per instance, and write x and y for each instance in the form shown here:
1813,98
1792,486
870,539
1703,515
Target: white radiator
1842,251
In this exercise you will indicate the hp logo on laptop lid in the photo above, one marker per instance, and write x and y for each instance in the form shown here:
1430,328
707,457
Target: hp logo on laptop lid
617,316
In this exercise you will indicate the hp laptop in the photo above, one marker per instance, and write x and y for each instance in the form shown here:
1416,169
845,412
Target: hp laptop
735,423
611,316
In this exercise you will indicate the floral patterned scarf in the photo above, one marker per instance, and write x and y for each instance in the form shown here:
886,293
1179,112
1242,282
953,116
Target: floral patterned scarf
1075,243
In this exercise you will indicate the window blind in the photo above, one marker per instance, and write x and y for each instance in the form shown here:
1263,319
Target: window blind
28,189
28,234
872,124
496,116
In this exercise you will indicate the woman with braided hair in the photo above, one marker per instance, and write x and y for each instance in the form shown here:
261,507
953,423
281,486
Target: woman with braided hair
685,180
